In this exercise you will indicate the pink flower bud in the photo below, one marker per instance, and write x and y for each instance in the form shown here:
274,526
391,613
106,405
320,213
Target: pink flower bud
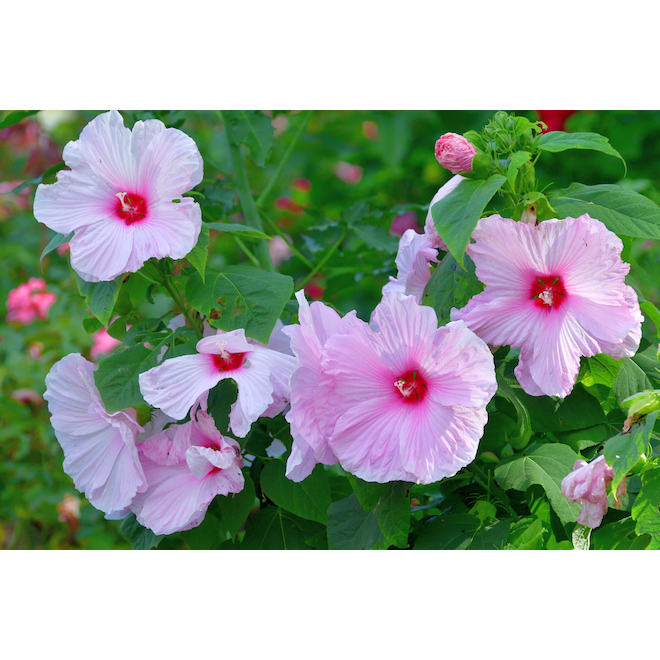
29,301
287,204
454,153
555,120
348,173
279,250
587,485
303,185
402,222
370,130
63,249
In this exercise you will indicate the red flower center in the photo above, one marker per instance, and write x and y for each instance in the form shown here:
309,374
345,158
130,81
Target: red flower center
131,207
411,386
228,361
548,291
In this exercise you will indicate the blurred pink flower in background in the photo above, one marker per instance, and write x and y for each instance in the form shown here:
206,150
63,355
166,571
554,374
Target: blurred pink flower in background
370,130
280,124
348,173
29,301
314,289
103,343
27,396
454,153
10,203
119,196
279,250
587,485
69,512
63,249
555,120
402,222
28,137
303,185
287,204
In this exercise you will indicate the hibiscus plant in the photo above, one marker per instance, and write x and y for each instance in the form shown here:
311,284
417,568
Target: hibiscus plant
491,386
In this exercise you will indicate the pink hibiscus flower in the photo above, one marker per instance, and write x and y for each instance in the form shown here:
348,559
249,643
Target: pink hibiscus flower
122,196
186,466
310,443
587,485
30,301
261,374
556,292
99,448
403,402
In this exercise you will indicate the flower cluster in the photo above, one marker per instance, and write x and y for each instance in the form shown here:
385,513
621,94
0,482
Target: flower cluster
30,301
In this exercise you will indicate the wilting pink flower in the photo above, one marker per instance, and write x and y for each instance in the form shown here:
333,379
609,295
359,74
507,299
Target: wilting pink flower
69,512
123,196
29,301
303,185
27,396
413,262
402,222
317,322
370,130
186,466
406,401
99,448
103,343
555,120
587,485
454,153
429,226
279,250
261,374
556,292
348,173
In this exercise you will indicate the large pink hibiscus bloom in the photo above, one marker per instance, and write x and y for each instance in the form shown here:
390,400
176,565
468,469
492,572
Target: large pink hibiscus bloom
555,291
122,196
405,401
99,448
186,466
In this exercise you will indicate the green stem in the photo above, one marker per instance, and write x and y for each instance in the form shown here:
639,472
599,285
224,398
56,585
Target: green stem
285,159
327,256
171,289
295,250
250,210
246,250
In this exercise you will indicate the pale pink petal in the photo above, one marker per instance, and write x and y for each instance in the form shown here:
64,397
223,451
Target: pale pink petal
301,461
255,394
429,226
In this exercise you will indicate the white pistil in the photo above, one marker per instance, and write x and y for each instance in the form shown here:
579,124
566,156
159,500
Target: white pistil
126,208
406,389
546,297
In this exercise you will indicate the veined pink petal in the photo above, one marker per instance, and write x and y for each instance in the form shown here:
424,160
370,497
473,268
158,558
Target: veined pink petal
99,448
301,461
255,394
429,226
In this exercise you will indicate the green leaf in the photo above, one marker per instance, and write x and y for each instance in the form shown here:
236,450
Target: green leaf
556,141
308,499
461,532
199,254
598,370
523,434
622,210
234,509
456,215
367,492
139,537
645,509
624,450
206,536
393,514
610,536
100,297
647,361
39,179
527,534
15,116
450,286
581,537
546,465
376,237
517,161
253,129
630,380
246,232
272,529
350,527
246,297
651,312
55,242
117,375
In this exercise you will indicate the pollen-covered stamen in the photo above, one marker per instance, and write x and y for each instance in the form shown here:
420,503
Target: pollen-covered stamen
131,207
548,292
411,386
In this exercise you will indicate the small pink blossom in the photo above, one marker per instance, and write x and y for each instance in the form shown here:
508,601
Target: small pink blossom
103,343
303,185
30,301
279,250
556,292
370,130
406,401
587,485
454,153
402,222
27,396
348,173
35,349
99,447
63,249
186,466
12,202
314,289
413,261
69,512
429,226
287,204
123,196
261,374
